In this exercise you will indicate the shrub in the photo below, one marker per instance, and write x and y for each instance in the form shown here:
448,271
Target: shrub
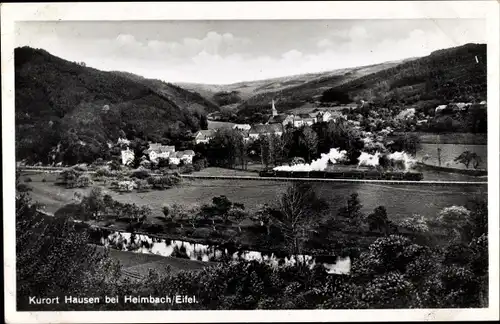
83,181
44,180
81,167
187,169
141,174
27,179
142,185
104,172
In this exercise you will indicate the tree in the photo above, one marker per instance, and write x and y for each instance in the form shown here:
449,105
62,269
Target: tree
467,157
298,211
454,219
309,140
407,142
352,211
53,258
94,203
378,220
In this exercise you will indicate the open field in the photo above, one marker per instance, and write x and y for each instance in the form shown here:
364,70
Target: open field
140,263
400,200
212,124
449,152
452,138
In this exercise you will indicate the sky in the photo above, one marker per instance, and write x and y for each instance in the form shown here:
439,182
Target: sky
223,52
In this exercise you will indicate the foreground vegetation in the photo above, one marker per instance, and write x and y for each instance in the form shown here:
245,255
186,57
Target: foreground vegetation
405,267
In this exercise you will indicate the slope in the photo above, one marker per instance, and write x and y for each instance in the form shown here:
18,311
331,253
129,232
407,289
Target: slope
183,98
453,74
68,112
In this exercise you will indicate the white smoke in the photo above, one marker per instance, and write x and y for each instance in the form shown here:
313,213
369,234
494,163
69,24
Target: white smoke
373,160
408,161
334,156
366,159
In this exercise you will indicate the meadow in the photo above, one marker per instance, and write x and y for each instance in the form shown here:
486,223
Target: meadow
400,200
449,152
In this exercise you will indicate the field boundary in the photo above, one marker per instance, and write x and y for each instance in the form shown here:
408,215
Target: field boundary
280,179
283,179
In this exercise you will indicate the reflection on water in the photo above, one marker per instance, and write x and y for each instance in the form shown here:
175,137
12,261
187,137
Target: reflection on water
140,243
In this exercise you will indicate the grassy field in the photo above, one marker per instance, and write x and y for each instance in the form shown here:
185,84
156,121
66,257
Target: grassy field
453,138
212,124
449,152
139,264
400,200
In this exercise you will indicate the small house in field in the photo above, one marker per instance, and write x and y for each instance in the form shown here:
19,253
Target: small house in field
128,156
204,136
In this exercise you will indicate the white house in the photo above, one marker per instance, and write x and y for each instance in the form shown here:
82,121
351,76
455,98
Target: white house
186,156
204,136
242,127
268,129
175,158
127,156
157,151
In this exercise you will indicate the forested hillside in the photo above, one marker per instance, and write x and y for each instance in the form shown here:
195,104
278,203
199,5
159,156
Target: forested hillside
454,74
68,112
181,97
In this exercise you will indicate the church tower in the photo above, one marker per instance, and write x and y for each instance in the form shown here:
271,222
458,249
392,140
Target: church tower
274,111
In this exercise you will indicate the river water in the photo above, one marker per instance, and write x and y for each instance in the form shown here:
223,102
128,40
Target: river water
140,243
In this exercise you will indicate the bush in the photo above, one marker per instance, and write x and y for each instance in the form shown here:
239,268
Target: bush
83,181
141,174
187,169
142,185
44,180
104,172
27,179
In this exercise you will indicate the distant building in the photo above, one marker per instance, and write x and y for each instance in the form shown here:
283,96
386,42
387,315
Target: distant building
128,156
242,127
186,156
204,136
158,151
264,130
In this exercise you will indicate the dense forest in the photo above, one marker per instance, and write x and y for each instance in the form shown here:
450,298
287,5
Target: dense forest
68,112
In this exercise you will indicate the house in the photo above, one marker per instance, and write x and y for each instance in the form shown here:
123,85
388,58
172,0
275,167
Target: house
264,130
123,141
158,151
175,158
303,119
242,127
128,156
186,156
204,136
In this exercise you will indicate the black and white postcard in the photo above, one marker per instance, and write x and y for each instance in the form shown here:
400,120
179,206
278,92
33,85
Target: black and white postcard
301,161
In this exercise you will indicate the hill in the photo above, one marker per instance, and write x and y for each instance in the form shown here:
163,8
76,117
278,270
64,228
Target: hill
68,112
181,97
455,74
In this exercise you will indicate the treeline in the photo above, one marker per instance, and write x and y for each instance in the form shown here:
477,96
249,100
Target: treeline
68,112
228,148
